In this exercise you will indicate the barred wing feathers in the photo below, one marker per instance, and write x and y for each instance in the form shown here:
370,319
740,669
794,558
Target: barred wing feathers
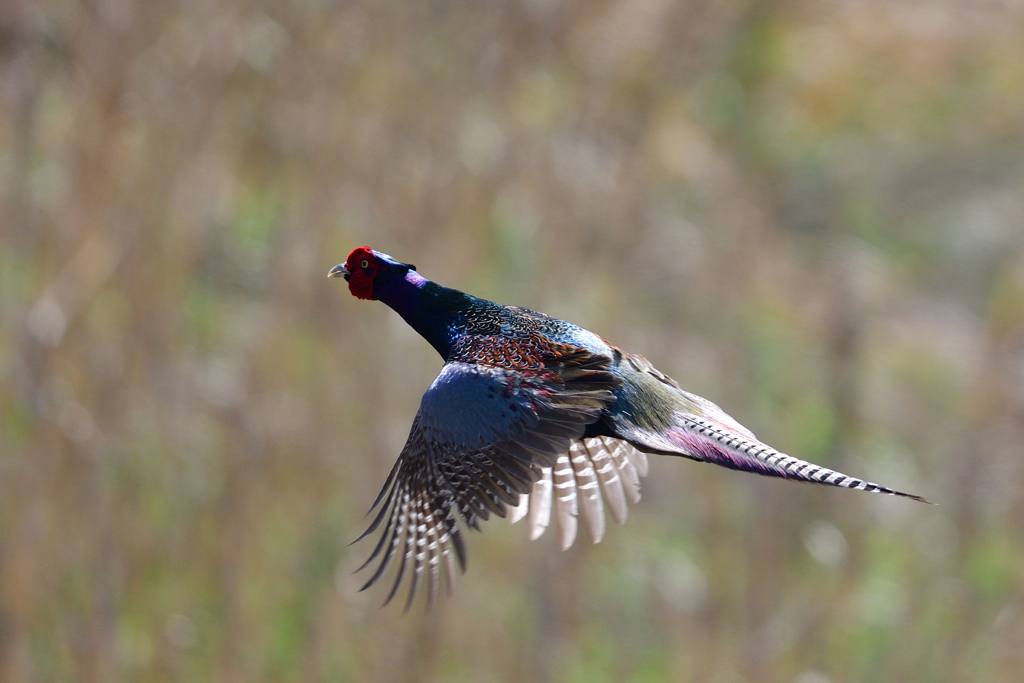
592,467
479,441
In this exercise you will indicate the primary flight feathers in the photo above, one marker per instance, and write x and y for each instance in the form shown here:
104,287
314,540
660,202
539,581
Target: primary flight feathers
531,417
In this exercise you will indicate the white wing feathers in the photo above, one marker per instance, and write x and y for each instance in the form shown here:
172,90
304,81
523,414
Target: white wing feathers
575,484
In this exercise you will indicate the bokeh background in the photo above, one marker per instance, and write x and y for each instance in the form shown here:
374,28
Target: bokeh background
810,212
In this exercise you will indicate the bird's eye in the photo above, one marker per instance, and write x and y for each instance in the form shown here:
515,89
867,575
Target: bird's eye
365,264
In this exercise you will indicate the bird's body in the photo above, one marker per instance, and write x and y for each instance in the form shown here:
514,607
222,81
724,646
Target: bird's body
532,415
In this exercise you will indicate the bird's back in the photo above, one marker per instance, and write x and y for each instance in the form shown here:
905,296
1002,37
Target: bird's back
490,333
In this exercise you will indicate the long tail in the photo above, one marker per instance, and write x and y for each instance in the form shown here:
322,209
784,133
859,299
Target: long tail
717,441
705,440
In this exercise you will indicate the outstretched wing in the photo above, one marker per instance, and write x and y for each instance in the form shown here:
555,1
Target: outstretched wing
479,441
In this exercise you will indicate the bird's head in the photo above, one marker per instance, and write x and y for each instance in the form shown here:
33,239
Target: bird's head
368,270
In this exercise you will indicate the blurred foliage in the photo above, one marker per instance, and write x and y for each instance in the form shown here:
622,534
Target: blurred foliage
811,213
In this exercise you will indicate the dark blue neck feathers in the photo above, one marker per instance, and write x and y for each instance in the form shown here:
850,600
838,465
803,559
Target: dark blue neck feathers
430,309
402,293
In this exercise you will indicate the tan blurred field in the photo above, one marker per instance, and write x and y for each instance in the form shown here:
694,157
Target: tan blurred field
811,213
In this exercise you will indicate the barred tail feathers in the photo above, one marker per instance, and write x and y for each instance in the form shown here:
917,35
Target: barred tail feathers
709,442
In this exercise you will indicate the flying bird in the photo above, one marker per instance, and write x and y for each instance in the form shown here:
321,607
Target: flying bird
532,417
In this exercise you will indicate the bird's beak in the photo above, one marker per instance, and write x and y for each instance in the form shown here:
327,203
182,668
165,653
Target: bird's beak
338,271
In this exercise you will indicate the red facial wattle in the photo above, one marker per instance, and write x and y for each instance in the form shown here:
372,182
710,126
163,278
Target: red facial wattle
361,284
363,266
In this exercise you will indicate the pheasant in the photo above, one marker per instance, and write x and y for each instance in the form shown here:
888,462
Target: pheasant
532,416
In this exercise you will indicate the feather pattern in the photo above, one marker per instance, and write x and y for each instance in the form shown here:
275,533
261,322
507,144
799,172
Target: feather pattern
589,494
512,427
531,417
711,443
587,458
565,503
540,511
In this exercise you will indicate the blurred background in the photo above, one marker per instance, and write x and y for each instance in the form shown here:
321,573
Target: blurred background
810,212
